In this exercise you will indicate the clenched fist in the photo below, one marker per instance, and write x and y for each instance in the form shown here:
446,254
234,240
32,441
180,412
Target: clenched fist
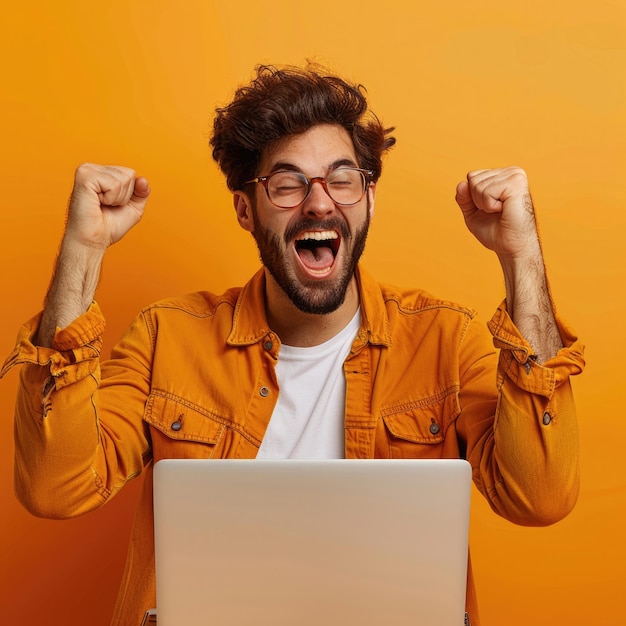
498,211
106,203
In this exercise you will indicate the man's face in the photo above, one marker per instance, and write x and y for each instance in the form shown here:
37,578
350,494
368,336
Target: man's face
311,251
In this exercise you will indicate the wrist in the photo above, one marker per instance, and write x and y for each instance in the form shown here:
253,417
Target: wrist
81,248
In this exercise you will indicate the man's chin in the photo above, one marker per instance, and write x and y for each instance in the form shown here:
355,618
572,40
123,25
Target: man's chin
310,294
320,299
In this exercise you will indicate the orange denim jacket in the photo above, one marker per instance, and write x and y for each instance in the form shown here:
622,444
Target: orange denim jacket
193,377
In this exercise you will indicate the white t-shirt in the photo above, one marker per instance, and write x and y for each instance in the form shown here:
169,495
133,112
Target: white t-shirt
308,419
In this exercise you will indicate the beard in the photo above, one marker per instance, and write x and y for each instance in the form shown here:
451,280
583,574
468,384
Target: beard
311,296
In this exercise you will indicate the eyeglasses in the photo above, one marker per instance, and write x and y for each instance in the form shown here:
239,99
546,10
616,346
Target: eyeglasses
286,190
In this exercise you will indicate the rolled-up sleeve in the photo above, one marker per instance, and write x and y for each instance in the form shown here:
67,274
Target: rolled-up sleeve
74,353
77,442
526,462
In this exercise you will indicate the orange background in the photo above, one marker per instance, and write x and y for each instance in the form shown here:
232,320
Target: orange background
467,85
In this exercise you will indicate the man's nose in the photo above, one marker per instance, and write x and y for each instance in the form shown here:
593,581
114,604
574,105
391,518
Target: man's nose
318,202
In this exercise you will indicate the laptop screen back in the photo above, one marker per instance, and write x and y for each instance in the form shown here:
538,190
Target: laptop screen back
311,542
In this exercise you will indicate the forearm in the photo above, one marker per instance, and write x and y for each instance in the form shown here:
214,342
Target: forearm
529,304
72,288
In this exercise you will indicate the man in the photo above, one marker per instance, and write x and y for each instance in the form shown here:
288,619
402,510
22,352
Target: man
364,370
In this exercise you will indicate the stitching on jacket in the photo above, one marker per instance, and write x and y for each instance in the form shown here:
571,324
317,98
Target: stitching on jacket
419,404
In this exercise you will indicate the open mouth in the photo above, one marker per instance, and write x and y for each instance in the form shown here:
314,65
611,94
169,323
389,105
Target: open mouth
317,250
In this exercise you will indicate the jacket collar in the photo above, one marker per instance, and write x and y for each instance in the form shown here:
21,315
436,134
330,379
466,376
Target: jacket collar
250,323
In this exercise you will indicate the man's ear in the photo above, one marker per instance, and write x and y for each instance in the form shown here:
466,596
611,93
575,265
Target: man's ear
243,208
371,196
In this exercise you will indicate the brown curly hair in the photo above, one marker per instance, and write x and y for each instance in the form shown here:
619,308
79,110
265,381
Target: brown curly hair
286,101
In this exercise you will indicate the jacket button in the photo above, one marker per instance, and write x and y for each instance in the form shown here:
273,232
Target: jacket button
547,418
264,392
176,425
268,345
434,428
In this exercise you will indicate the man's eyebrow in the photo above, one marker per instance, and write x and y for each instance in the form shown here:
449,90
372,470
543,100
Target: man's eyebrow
290,167
343,163
284,166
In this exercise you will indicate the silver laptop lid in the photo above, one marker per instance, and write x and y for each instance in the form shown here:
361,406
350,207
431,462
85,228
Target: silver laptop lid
342,542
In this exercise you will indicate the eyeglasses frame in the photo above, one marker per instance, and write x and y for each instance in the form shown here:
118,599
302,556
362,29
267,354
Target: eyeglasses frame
367,176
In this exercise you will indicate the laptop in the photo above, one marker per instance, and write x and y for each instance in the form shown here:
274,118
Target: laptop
332,543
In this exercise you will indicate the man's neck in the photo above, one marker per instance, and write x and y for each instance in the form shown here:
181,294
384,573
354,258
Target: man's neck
296,328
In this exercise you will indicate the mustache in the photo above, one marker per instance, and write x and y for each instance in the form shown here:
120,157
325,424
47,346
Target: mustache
334,223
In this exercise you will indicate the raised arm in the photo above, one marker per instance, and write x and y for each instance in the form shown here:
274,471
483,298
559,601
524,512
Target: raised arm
106,203
498,211
526,455
77,439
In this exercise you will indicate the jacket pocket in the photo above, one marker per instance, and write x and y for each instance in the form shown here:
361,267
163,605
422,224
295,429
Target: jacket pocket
180,429
417,429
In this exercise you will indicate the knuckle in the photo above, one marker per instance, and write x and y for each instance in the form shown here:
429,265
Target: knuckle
519,179
517,173
480,186
83,171
124,172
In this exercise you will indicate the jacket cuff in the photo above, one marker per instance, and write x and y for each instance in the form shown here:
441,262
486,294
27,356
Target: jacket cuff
517,360
75,349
